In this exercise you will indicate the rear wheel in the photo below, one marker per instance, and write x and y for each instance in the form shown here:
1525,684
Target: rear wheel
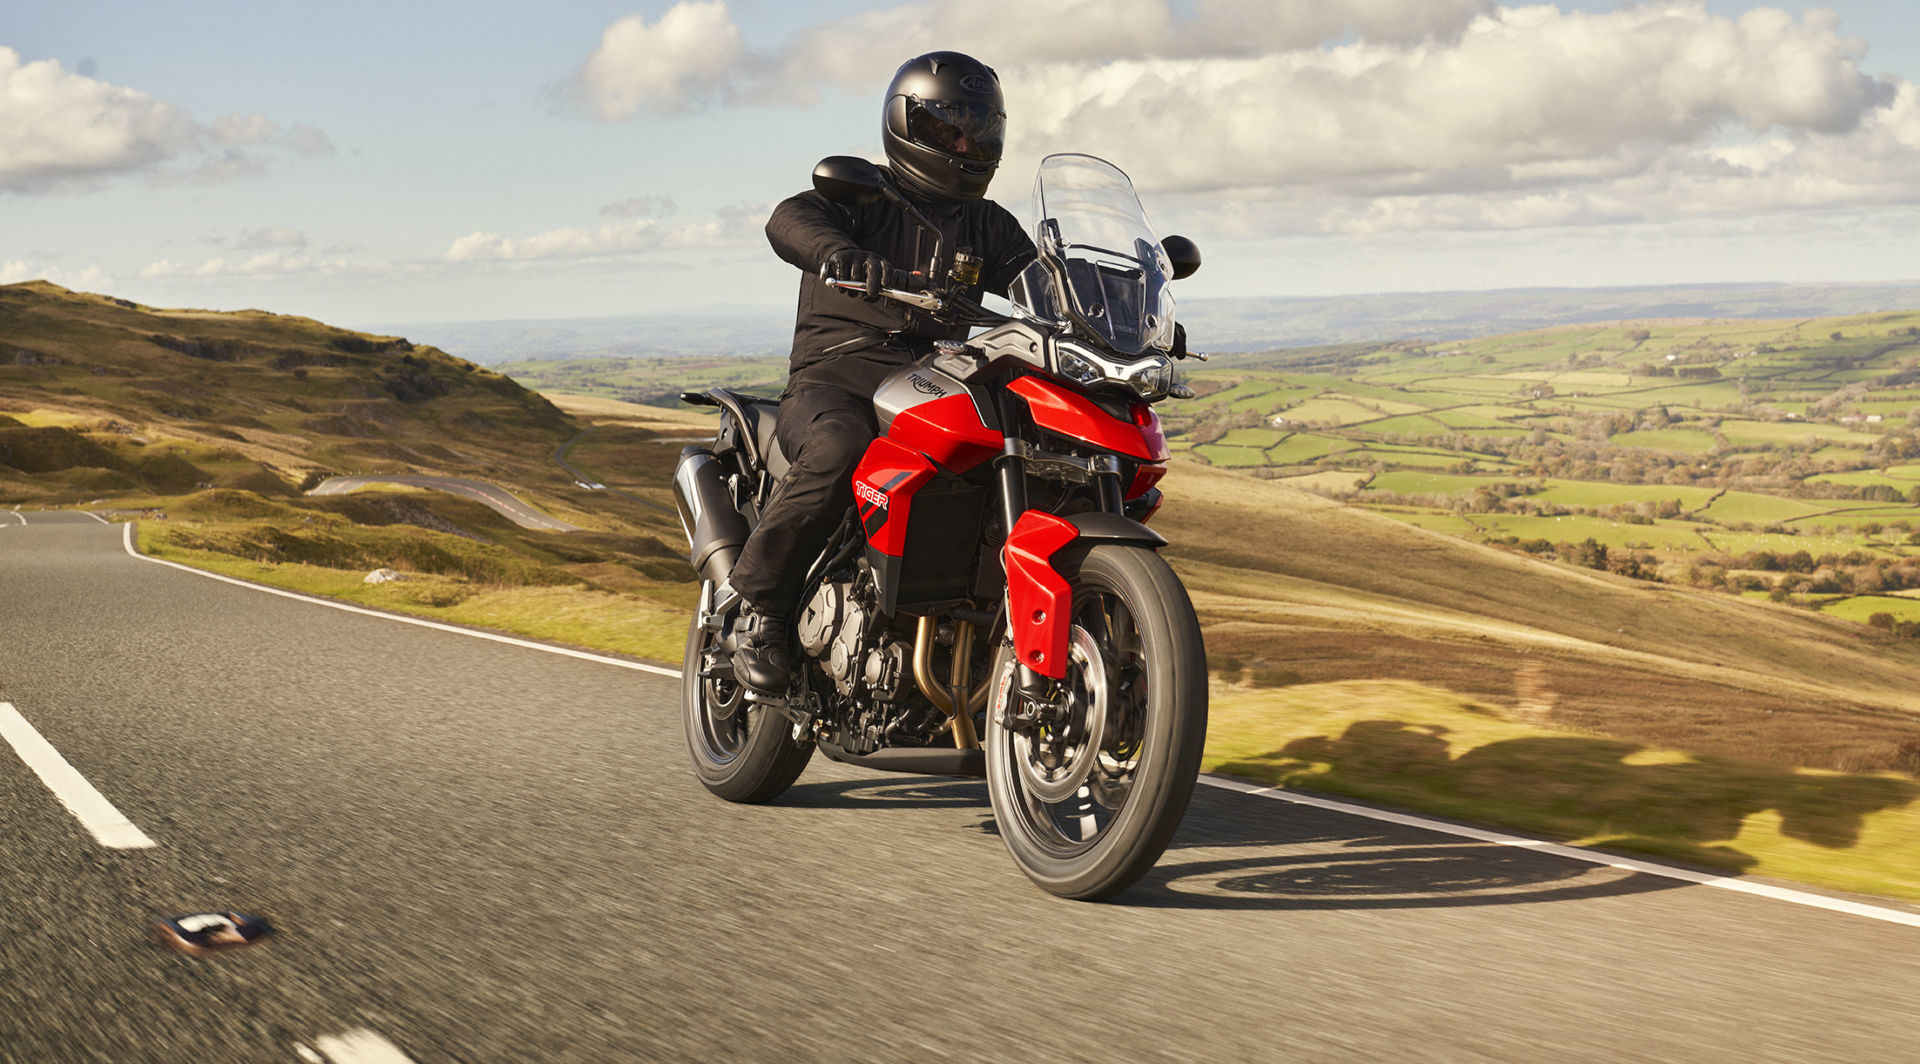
1088,790
741,751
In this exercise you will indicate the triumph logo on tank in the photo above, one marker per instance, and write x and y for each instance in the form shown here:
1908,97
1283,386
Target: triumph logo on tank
925,386
870,494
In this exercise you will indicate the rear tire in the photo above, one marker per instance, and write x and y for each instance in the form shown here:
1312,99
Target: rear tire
1087,802
741,751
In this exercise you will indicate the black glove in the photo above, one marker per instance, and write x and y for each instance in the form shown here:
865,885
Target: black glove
1179,341
858,266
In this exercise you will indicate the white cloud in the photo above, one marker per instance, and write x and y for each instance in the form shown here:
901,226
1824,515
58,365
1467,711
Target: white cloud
670,65
277,236
633,236
237,129
63,130
268,264
309,140
91,278
640,207
56,127
1365,115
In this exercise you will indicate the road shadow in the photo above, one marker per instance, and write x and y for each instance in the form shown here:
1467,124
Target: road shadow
891,792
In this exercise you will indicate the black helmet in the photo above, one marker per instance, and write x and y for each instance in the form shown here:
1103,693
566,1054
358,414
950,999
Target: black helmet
944,124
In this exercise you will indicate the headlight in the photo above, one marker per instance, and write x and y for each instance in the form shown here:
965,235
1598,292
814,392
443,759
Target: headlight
1150,376
1080,365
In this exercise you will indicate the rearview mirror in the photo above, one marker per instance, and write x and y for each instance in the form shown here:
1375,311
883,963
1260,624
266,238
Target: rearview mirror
847,179
1181,252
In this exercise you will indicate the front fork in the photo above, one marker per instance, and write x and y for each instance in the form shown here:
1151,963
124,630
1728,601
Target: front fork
1039,600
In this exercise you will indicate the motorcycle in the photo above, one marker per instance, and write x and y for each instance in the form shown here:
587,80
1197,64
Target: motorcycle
994,605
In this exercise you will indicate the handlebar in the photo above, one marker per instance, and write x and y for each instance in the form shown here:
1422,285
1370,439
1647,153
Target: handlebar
949,308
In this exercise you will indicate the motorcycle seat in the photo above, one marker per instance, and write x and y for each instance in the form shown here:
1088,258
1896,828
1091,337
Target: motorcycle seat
756,418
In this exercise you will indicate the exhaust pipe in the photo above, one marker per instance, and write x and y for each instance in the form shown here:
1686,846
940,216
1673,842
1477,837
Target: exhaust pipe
715,530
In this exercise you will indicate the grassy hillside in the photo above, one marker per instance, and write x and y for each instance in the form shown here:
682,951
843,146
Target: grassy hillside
209,425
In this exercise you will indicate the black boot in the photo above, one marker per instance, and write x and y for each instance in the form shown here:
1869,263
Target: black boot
762,659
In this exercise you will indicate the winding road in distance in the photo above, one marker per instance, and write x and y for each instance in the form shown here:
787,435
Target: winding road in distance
479,850
506,503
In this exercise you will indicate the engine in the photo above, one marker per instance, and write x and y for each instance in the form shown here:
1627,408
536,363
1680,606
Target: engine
837,629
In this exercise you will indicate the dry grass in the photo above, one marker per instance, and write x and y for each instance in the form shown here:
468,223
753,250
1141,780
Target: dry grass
1423,746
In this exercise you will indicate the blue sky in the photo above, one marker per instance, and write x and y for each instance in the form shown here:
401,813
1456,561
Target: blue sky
397,162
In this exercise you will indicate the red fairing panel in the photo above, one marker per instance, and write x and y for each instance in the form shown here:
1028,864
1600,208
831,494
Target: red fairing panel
947,430
1146,477
883,487
1039,601
1058,410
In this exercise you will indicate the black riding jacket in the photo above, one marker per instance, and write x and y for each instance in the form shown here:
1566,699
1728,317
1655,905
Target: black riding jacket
847,342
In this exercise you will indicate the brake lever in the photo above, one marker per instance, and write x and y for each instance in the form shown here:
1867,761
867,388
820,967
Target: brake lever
924,300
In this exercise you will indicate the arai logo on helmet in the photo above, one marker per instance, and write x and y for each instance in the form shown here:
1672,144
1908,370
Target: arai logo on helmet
867,492
979,83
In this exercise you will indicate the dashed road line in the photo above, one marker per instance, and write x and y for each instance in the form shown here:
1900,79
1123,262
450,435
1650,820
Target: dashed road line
1906,918
87,804
354,1047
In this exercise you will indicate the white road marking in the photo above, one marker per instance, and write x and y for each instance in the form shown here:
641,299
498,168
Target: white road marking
1705,879
354,1047
96,517
127,541
16,513
88,805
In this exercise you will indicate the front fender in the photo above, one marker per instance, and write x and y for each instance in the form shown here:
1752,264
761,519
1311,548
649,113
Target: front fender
1039,600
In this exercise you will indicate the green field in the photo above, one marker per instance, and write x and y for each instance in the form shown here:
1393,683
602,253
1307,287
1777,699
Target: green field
1591,493
1682,441
1861,607
1661,535
1408,482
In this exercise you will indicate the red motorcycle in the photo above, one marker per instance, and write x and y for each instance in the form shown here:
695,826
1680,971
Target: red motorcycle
995,605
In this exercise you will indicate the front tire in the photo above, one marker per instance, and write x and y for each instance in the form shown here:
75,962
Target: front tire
1088,799
741,751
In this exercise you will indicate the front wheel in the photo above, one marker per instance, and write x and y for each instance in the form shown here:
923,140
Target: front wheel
1089,789
741,751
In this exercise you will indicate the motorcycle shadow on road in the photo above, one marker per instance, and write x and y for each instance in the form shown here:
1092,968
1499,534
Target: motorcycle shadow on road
1241,852
892,792
1238,852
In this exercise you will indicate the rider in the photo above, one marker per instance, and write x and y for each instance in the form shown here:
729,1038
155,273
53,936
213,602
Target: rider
943,124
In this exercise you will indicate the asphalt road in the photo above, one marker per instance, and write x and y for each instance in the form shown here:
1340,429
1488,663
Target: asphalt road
485,852
506,503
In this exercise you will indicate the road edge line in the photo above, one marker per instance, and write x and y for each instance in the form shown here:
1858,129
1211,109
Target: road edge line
422,622
1576,853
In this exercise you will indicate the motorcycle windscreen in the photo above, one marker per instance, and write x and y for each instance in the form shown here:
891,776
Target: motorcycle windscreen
1093,231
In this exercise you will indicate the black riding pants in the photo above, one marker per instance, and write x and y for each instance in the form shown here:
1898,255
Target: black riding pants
824,431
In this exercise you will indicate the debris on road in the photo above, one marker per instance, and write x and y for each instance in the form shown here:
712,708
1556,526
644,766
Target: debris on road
199,934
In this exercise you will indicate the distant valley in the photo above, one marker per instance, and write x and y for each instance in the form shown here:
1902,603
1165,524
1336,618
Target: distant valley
1250,324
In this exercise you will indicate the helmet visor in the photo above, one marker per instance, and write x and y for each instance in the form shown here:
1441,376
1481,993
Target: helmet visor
969,130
